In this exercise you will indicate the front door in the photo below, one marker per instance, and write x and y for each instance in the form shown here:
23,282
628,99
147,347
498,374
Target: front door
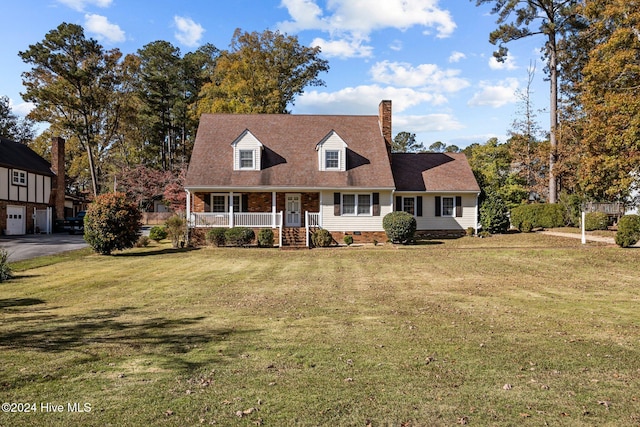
293,211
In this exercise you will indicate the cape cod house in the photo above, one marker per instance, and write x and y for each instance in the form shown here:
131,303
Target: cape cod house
294,173
30,188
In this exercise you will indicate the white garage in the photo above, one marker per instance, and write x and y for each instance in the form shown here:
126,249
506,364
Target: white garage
16,220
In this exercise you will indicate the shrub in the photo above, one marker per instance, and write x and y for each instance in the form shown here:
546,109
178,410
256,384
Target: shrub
265,238
470,231
596,221
177,230
239,236
321,238
526,226
628,231
216,236
157,233
348,240
112,223
494,214
399,226
543,215
143,242
5,270
572,204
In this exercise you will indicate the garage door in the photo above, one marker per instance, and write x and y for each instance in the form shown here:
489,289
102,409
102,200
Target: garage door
16,221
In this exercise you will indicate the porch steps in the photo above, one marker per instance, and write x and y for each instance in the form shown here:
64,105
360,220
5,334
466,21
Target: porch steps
294,238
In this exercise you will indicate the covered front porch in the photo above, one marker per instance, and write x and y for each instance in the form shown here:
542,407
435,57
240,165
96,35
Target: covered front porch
254,209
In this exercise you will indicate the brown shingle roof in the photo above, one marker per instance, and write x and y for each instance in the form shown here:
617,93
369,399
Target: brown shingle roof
290,158
445,172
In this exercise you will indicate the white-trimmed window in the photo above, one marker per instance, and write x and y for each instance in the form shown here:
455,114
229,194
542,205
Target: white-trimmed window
409,205
247,159
220,203
448,206
19,177
332,159
356,204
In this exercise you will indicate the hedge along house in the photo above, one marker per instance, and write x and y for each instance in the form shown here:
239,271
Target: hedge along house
295,173
31,188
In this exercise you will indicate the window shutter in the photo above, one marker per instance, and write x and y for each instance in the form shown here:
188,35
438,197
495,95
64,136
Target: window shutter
398,203
207,205
336,204
438,206
245,203
376,204
419,206
458,207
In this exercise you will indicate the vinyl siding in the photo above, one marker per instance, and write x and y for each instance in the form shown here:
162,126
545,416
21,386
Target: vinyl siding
353,223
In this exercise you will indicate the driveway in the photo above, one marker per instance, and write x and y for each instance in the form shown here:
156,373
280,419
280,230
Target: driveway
35,245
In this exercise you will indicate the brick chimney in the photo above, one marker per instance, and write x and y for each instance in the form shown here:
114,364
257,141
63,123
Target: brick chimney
57,167
384,115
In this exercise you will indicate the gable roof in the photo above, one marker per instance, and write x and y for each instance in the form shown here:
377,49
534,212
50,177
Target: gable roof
434,172
289,158
19,156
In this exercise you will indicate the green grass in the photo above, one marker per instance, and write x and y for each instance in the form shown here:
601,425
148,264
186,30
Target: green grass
422,335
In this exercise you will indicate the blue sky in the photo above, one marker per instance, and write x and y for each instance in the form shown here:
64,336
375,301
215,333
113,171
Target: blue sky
432,58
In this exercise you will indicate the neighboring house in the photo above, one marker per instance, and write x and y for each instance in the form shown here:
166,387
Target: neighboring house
31,191
332,171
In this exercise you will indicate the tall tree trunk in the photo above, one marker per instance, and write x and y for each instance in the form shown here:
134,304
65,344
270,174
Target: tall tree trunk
553,142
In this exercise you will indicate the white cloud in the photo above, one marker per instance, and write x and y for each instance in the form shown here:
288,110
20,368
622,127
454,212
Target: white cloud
427,123
343,48
189,33
80,5
456,57
21,109
497,95
424,75
509,63
355,20
100,25
396,45
363,100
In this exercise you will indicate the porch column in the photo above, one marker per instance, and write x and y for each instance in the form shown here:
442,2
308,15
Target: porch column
231,209
188,208
273,210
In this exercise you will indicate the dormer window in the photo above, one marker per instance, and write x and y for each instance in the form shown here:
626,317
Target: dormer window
247,152
332,153
247,159
332,159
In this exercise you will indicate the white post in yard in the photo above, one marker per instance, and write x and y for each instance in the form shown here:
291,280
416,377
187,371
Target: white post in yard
584,237
273,210
189,222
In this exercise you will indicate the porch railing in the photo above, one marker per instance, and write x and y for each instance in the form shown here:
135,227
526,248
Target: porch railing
312,221
236,219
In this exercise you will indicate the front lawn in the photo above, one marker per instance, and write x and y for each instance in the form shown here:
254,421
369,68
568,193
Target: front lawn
521,329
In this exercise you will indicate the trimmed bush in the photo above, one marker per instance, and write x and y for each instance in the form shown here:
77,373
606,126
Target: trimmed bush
112,223
399,226
348,240
239,236
596,221
494,214
265,238
157,233
526,226
177,230
321,238
216,236
543,215
143,242
628,231
5,270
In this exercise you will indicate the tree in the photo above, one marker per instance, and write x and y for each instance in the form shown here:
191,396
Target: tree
609,98
405,142
74,83
13,128
525,148
144,185
554,18
112,223
261,73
